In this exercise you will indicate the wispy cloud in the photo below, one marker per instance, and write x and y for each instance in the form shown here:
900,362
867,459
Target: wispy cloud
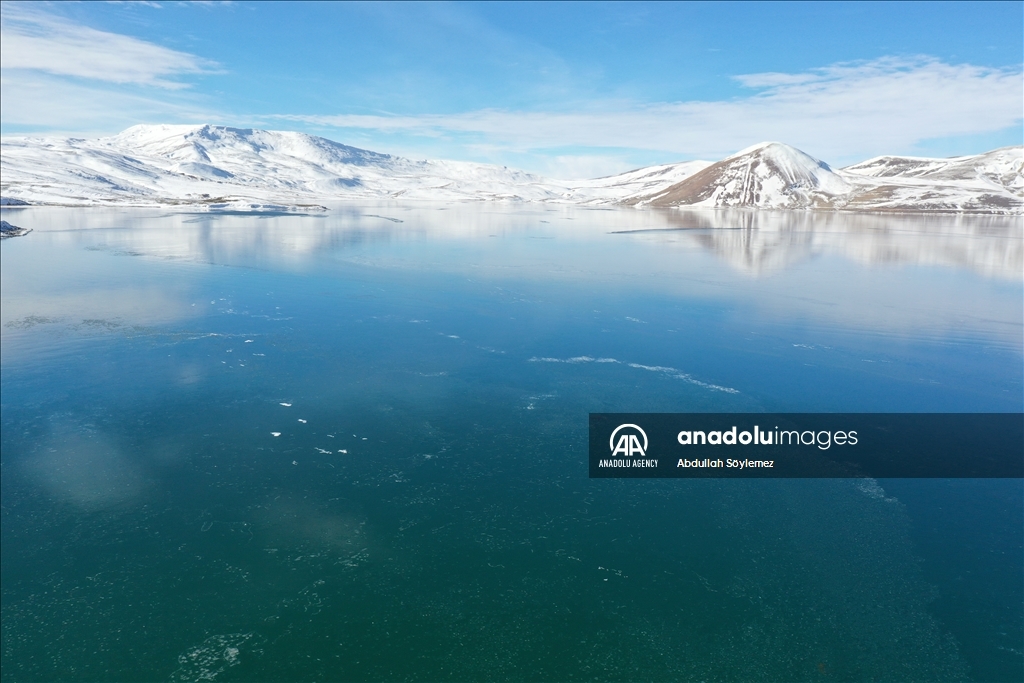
836,112
41,42
42,103
63,77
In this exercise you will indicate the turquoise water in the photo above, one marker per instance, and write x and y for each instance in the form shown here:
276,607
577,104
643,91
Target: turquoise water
423,511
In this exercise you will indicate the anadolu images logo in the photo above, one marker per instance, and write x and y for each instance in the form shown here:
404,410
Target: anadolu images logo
628,444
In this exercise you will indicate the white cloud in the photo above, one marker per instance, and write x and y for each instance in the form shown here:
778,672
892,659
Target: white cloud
840,112
583,165
62,106
65,77
37,41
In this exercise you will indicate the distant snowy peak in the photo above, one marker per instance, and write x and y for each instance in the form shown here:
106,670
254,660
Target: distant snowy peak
209,144
768,175
772,175
250,151
218,165
1003,167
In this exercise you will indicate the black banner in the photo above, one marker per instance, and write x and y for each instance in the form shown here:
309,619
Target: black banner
880,445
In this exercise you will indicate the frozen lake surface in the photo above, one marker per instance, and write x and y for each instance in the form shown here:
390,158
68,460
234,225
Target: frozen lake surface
351,445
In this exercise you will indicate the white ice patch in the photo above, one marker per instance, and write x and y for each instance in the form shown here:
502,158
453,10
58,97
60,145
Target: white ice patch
673,372
275,433
652,368
287,405
870,488
712,387
575,360
216,655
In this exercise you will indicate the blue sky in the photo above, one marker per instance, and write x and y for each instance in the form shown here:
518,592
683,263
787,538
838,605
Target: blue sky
568,90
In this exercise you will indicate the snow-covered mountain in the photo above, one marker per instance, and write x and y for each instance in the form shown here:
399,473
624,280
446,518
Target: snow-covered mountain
217,165
221,167
992,182
1001,167
769,175
776,176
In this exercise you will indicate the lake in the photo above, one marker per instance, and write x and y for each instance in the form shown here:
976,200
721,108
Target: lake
352,445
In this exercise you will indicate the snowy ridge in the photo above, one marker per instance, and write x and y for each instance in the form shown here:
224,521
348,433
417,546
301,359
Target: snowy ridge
216,165
220,167
634,184
992,180
768,175
1004,168
776,176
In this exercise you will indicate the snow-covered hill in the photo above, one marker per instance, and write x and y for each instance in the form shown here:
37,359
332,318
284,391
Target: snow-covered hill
777,176
221,167
992,182
769,175
1003,168
626,188
216,165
